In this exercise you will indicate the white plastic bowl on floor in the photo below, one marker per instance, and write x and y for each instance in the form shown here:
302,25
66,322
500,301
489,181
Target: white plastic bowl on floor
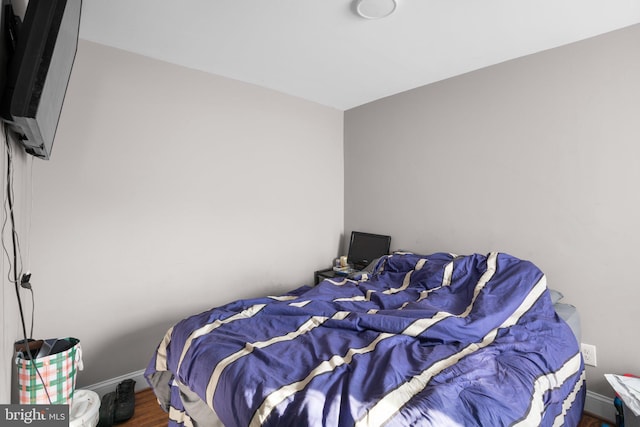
85,409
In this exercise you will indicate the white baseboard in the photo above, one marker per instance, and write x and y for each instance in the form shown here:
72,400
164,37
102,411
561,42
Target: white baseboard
110,385
600,406
595,404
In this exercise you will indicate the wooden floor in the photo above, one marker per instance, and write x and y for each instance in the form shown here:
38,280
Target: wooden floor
149,414
589,421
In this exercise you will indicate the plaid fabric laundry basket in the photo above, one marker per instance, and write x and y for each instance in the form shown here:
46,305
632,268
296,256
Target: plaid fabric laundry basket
50,379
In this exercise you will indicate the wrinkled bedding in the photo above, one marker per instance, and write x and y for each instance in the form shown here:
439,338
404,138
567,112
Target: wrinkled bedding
424,340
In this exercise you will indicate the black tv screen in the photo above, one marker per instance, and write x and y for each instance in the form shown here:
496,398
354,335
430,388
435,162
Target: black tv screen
366,247
39,72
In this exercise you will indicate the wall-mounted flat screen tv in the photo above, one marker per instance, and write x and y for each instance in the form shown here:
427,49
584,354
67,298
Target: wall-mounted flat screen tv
39,70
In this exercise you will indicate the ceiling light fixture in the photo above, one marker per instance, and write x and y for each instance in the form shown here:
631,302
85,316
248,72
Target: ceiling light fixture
375,9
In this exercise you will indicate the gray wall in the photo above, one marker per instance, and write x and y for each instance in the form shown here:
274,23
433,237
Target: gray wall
170,191
538,157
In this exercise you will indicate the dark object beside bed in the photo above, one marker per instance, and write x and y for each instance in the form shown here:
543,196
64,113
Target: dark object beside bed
423,340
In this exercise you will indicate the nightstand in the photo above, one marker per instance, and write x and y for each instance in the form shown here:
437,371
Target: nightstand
320,275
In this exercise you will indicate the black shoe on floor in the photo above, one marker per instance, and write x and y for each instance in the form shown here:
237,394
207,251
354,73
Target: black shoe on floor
125,401
107,409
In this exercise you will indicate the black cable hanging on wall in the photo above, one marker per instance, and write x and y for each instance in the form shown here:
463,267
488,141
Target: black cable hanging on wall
14,234
24,278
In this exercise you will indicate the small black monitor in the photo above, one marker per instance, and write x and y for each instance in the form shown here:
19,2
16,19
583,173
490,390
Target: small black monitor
366,247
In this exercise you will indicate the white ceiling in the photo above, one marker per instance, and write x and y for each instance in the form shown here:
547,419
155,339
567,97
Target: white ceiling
322,51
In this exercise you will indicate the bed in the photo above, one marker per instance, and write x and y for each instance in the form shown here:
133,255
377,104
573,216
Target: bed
416,340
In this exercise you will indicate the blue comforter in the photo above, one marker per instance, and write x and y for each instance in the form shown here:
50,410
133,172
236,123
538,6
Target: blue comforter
437,340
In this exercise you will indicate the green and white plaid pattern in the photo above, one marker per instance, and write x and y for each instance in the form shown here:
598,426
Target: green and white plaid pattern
56,372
